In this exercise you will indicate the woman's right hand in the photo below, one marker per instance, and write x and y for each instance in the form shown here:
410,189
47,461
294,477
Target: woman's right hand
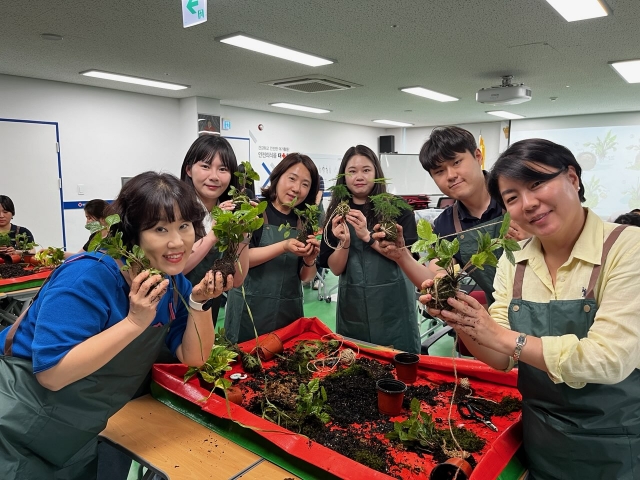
340,230
145,294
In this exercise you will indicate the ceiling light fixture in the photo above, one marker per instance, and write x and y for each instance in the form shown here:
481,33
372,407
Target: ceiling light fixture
423,92
116,77
503,114
51,36
629,70
244,41
302,108
394,123
574,10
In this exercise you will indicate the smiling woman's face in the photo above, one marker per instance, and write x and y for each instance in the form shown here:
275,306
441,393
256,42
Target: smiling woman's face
359,175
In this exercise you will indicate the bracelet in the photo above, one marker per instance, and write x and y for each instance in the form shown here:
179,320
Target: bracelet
197,306
521,341
306,265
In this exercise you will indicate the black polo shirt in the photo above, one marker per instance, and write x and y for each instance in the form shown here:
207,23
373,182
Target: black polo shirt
443,225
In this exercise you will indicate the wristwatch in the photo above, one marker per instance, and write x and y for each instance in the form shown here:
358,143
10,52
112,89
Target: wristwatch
521,341
371,240
199,307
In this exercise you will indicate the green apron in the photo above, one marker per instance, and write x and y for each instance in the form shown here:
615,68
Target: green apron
376,301
273,291
53,435
196,275
585,433
469,246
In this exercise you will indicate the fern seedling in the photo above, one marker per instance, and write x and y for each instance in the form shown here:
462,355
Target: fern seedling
311,401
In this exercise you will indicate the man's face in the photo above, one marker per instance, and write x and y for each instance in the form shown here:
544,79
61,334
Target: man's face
460,178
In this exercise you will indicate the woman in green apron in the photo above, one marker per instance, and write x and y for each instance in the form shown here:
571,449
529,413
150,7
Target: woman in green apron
89,338
376,301
568,313
278,263
209,169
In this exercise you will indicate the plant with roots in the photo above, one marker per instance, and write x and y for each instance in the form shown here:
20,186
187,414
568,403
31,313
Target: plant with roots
387,208
230,228
238,195
112,244
309,222
601,148
446,286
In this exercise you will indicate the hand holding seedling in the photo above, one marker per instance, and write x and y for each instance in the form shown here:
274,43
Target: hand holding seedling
313,251
341,231
359,222
296,247
144,296
393,250
211,286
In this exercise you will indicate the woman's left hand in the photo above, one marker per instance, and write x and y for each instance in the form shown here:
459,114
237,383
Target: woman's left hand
228,205
470,318
210,287
312,249
359,222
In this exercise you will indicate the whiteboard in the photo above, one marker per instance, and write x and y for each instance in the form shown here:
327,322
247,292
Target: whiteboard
28,154
407,177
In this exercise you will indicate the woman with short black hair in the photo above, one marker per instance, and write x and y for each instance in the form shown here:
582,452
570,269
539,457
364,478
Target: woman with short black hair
7,212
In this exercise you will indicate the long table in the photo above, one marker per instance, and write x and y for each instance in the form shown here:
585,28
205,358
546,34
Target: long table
15,302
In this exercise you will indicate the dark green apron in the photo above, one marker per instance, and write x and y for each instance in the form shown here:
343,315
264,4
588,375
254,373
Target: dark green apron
53,435
376,301
273,291
586,433
196,275
469,246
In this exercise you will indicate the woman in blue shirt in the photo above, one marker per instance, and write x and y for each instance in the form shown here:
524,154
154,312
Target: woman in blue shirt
92,333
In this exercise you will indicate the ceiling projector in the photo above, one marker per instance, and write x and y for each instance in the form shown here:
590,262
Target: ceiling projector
506,94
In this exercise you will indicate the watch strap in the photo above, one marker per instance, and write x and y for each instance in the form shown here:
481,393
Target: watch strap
521,341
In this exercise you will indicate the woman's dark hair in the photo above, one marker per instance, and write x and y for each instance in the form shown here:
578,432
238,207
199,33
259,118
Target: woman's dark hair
444,144
204,149
151,197
96,208
7,204
287,162
516,163
629,219
377,187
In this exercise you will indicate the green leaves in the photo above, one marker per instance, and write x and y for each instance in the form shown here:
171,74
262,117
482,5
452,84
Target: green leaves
340,190
311,401
214,368
387,207
230,227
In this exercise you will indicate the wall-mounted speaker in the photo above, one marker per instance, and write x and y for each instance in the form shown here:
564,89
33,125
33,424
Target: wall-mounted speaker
387,143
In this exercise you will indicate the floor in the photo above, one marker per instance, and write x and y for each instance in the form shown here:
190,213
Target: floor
313,307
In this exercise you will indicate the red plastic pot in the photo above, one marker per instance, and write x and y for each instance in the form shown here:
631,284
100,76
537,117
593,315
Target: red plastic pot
235,395
390,396
406,367
13,258
269,346
457,468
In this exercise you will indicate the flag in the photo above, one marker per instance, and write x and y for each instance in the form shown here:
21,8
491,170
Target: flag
482,149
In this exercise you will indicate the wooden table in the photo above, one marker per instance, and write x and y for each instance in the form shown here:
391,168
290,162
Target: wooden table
176,447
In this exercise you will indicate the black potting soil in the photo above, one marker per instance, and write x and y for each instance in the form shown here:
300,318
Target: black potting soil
13,271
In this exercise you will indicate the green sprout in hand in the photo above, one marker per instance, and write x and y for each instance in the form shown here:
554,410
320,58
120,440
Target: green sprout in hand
239,195
387,208
309,220
443,250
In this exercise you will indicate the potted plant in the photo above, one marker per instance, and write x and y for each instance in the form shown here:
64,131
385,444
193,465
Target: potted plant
230,228
447,285
239,195
211,373
387,208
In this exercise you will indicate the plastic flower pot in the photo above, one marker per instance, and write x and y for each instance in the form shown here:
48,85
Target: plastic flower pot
390,396
8,259
406,367
457,468
29,258
269,346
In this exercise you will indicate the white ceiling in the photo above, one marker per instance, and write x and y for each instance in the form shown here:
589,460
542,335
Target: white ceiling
452,46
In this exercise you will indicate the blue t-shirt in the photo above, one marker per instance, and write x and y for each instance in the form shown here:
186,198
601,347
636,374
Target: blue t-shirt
85,296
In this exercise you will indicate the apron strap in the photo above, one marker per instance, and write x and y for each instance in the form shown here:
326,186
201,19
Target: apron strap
519,276
606,248
266,220
456,220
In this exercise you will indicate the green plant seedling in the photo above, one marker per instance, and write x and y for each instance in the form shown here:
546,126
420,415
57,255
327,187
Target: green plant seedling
239,195
309,217
50,257
387,208
23,243
311,401
5,240
443,250
213,370
250,363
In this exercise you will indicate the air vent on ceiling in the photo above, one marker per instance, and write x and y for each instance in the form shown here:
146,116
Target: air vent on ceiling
312,84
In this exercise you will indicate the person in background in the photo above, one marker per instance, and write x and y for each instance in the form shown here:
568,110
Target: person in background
208,168
320,204
453,159
630,218
93,331
7,212
277,263
567,312
95,210
376,301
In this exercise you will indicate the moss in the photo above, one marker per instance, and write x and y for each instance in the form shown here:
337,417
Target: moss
369,459
351,371
468,441
507,405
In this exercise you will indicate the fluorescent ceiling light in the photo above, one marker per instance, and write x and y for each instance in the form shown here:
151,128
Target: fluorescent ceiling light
629,70
423,92
137,80
244,41
394,123
574,10
503,114
302,108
